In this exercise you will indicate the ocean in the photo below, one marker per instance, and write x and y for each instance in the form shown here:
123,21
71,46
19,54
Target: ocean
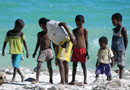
97,15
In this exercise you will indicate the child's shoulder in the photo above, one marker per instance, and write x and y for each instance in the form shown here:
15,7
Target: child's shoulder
12,33
41,33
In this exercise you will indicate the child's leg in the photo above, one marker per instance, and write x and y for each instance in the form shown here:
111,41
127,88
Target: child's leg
38,72
66,71
120,72
97,76
62,71
109,78
14,74
19,72
49,66
73,73
84,72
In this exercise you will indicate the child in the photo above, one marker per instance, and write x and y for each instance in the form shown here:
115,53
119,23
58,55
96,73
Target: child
105,57
59,33
45,53
79,50
15,38
119,42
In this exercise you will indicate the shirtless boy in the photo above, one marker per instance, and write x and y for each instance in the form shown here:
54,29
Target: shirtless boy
79,50
45,53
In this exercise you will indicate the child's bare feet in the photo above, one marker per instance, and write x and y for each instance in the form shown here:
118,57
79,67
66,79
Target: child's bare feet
22,79
34,82
62,82
72,83
13,80
85,82
51,81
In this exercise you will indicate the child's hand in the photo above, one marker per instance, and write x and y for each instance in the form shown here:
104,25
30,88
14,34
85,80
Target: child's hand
97,63
56,63
112,64
34,54
87,55
27,55
3,53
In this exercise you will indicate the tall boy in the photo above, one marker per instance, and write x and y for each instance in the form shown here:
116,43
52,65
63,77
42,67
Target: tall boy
45,53
59,33
119,42
16,38
79,50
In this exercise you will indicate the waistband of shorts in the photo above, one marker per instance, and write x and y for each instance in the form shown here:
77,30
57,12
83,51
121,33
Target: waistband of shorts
45,50
79,48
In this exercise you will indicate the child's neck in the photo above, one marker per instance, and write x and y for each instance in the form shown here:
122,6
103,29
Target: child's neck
15,30
80,27
119,25
104,48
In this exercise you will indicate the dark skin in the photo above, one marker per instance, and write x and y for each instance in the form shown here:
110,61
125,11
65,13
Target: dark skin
117,24
103,46
81,35
17,29
43,42
63,66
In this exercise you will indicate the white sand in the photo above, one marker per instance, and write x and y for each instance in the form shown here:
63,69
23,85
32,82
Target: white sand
100,84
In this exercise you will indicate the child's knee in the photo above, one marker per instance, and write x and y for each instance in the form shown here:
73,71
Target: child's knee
74,65
83,65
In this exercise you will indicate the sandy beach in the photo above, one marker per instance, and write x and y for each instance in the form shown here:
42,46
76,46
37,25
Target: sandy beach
93,84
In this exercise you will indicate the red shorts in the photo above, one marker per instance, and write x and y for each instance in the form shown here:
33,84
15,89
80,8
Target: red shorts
79,54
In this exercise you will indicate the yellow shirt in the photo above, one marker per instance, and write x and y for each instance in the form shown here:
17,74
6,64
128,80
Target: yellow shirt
15,42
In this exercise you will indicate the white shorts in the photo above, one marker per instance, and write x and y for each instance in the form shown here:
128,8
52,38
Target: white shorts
45,55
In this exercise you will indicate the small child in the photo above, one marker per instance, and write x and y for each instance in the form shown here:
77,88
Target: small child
105,57
16,38
119,42
80,52
45,53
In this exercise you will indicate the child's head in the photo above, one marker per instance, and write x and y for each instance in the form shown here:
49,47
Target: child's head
43,22
79,19
19,24
116,19
103,42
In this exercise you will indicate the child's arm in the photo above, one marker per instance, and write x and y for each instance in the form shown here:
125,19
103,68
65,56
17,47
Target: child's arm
25,45
97,63
37,46
55,47
3,50
124,34
86,42
112,61
67,30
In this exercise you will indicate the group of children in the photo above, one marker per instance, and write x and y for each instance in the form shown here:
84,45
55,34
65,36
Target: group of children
63,43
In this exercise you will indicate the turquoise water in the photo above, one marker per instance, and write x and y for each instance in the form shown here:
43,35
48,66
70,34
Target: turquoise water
97,15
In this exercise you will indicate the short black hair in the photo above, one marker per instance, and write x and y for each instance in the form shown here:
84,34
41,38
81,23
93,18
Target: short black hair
43,21
117,16
79,18
19,22
103,39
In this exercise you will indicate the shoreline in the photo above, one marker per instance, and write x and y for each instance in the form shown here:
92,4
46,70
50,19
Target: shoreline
93,84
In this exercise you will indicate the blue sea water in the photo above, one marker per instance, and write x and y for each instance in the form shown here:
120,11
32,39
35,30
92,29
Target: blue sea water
97,15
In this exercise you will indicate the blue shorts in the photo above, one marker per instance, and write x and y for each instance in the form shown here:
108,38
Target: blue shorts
103,68
16,58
